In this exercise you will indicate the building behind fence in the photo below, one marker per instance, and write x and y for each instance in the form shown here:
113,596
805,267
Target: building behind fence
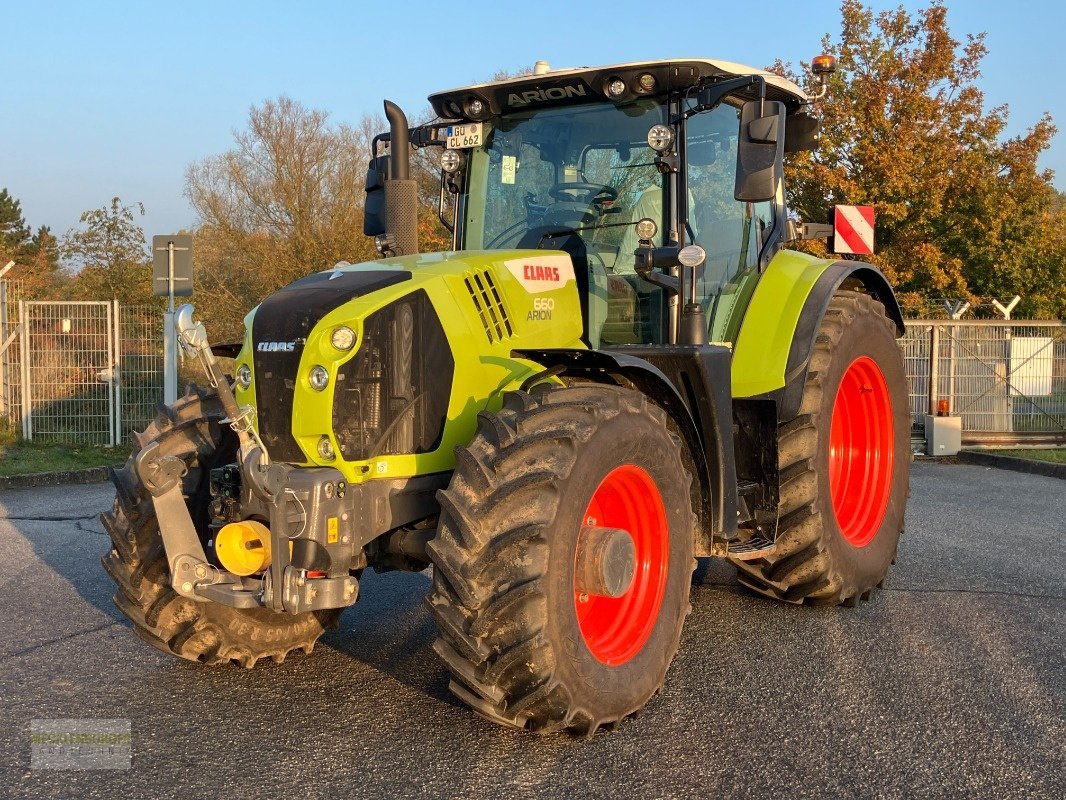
93,371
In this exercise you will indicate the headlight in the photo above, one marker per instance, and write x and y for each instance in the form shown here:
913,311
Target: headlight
646,229
343,338
660,137
319,378
616,87
325,449
646,82
474,108
244,376
450,161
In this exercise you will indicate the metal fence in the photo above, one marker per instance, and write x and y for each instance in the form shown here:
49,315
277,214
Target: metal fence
93,372
78,371
1005,379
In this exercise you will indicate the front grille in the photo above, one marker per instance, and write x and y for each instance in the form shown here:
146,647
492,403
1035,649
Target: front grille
489,305
289,316
392,396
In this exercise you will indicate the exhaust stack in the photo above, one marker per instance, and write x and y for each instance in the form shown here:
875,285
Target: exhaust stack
401,193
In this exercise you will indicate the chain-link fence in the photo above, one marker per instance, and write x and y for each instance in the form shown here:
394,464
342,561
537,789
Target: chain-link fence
1006,380
78,371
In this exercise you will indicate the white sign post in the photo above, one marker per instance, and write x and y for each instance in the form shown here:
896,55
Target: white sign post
172,276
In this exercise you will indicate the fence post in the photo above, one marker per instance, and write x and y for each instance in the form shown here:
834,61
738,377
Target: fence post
4,360
170,357
956,309
934,368
24,352
116,374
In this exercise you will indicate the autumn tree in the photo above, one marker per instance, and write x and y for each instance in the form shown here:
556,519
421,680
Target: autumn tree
108,255
43,272
287,200
961,212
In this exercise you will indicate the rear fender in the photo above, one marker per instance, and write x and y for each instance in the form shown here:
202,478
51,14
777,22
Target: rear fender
776,339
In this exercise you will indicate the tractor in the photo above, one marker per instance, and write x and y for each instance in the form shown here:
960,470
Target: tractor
618,367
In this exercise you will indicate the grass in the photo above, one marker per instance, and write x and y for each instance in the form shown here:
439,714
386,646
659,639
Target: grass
1057,456
19,457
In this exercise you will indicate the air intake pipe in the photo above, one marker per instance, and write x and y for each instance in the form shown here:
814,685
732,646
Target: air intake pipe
401,193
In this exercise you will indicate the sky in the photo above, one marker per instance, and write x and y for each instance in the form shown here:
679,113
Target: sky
112,98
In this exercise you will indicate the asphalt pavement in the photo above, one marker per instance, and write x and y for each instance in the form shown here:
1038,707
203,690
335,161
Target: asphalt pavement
950,683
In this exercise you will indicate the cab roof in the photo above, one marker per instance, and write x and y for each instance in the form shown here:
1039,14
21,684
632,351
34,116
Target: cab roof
590,83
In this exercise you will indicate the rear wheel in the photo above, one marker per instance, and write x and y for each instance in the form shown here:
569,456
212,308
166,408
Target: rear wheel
207,632
844,463
563,559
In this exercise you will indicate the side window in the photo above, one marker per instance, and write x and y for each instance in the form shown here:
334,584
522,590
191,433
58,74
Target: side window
730,231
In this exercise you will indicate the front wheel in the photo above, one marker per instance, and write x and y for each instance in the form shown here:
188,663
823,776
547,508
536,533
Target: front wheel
210,633
844,462
563,559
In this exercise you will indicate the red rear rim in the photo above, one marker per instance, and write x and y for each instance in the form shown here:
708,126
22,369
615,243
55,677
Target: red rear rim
861,451
616,628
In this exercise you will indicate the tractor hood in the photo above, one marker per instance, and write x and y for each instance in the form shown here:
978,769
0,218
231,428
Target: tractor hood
425,333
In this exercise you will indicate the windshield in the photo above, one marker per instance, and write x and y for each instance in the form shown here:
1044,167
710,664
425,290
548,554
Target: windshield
549,170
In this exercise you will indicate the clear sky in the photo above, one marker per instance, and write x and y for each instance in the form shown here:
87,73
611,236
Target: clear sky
117,98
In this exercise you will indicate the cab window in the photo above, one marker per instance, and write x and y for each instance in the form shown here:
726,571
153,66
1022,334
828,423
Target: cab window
732,232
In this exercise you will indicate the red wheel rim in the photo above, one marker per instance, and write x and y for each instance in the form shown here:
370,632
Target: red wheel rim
861,451
616,628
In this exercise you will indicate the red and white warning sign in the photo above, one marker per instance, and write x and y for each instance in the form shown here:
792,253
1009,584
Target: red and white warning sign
853,229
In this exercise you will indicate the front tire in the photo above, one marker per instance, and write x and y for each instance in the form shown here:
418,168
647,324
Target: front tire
844,463
210,633
525,647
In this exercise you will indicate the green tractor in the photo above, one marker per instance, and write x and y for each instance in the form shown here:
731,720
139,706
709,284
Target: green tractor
616,369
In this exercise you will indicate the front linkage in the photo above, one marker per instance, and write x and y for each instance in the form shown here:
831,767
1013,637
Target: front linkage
311,514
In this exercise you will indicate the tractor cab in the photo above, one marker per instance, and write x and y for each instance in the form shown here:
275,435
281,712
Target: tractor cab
623,168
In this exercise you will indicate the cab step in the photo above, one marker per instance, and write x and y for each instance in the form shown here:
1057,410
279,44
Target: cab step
755,547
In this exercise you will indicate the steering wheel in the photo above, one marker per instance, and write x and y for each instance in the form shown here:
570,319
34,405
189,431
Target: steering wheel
588,192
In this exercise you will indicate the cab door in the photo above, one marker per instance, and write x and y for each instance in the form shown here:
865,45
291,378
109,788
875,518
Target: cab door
732,232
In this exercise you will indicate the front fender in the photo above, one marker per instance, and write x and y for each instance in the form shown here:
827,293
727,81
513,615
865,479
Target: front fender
689,384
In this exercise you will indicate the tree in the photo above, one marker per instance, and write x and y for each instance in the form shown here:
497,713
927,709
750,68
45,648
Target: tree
110,256
960,212
13,231
42,273
286,201
37,268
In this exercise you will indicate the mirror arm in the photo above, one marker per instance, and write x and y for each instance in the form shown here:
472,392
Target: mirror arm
712,95
445,186
649,258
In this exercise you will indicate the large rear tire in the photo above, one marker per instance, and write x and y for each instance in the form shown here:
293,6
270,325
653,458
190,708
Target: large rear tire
844,462
206,632
525,647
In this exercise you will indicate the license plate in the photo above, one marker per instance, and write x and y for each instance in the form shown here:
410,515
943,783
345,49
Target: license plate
460,136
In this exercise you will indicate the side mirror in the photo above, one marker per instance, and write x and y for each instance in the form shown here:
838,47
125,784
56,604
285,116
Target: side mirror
801,132
761,151
374,208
